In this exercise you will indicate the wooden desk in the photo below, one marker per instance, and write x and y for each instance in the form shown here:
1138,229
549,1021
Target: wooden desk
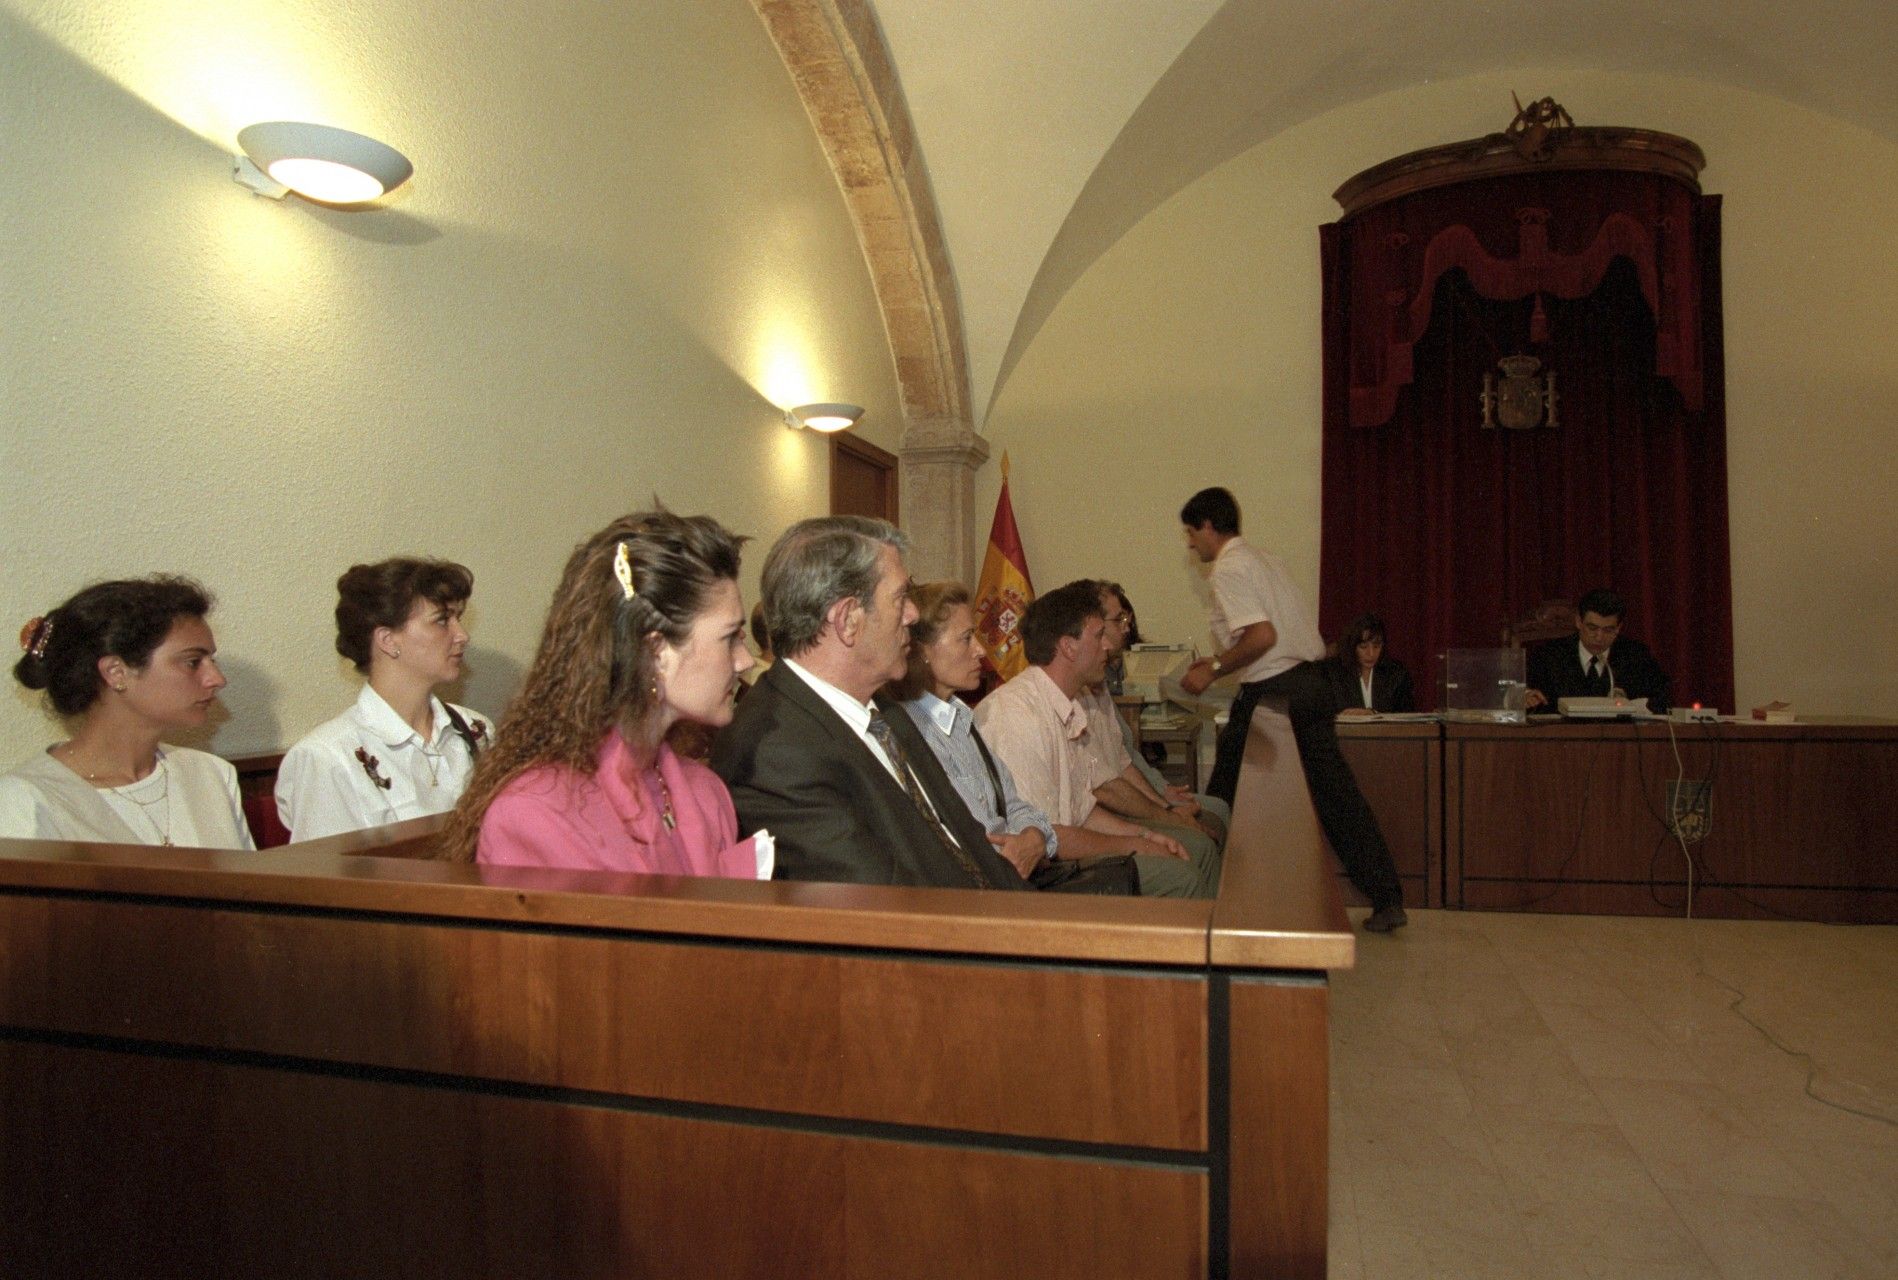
1399,768
1573,817
1185,735
304,1061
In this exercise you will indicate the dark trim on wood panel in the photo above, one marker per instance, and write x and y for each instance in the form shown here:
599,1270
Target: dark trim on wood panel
1680,882
1218,1124
753,1117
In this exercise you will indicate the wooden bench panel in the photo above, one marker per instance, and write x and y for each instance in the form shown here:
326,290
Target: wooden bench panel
327,1059
1028,1049
247,1171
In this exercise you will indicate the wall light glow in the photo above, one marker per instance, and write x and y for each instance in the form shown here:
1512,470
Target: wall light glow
326,180
782,367
215,66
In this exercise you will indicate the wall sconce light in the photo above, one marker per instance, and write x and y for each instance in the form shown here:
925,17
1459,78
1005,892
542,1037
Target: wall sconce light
824,417
318,162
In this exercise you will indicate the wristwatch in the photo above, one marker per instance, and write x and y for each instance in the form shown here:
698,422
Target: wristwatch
1216,667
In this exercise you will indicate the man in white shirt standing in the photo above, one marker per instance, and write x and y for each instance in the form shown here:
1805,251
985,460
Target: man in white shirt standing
1266,635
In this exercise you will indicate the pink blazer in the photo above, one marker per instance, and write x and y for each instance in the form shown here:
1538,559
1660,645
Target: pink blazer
554,817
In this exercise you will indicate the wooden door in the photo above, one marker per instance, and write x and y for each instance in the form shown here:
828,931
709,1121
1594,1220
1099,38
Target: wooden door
862,479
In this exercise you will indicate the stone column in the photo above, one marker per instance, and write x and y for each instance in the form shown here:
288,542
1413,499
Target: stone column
939,459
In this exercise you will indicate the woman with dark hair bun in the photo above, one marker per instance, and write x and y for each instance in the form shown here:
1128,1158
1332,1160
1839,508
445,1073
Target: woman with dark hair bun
645,635
124,663
399,752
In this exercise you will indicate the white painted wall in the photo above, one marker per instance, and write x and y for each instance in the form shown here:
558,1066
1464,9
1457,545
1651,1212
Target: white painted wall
1189,355
622,254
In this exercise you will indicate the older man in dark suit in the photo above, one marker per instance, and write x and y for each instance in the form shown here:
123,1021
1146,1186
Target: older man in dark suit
1597,661
838,774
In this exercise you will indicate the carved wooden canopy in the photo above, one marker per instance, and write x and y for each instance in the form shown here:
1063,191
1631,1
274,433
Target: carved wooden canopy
1534,211
1579,147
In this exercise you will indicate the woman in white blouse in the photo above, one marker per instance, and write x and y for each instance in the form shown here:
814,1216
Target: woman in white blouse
399,752
124,663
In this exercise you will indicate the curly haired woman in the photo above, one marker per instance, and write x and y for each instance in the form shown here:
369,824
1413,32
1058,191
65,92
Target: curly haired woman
645,633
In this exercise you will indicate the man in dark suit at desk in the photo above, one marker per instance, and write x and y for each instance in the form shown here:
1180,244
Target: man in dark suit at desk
1597,661
839,774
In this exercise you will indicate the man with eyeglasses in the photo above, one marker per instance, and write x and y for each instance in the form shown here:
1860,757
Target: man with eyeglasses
1595,662
1124,782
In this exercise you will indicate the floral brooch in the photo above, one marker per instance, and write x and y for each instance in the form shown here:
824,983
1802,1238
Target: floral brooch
371,766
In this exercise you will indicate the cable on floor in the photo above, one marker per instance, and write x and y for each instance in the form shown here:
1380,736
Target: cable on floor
1812,1067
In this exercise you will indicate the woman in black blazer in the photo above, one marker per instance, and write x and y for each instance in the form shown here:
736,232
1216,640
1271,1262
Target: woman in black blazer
1363,679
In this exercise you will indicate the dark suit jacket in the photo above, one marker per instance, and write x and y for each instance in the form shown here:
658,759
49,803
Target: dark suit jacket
795,768
1390,686
1556,670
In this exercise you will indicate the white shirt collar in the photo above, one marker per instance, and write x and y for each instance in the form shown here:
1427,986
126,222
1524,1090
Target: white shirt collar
1588,657
856,714
944,714
375,714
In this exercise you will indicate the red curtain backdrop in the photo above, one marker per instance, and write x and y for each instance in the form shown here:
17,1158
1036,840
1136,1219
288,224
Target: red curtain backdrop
1447,529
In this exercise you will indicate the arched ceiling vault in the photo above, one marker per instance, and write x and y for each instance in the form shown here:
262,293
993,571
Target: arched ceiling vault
1051,127
837,57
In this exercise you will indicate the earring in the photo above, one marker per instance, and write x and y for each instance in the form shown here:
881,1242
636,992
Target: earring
398,653
118,688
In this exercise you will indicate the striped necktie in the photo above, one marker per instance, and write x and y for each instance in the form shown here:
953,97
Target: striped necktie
886,738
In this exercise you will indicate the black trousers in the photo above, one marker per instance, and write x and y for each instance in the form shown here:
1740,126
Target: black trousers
1342,810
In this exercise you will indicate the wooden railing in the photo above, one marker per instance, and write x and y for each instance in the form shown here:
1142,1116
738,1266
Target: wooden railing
325,1059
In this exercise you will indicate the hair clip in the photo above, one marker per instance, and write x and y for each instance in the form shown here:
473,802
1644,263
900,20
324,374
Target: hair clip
35,634
368,763
623,570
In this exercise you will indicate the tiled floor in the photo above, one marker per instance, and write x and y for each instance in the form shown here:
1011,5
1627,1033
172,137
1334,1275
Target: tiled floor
1575,1096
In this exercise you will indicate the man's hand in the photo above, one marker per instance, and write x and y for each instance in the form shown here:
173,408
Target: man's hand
1024,850
1181,801
1154,842
1198,676
1350,713
1534,699
1181,806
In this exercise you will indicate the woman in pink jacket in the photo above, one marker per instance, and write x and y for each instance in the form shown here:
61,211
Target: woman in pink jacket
645,633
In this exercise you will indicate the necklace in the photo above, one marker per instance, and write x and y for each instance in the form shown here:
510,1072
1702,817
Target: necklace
434,769
93,775
665,801
160,829
163,832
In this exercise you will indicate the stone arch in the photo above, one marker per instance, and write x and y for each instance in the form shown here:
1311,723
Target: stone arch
841,65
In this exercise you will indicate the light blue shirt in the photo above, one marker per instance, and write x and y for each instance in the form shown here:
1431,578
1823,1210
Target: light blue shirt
949,729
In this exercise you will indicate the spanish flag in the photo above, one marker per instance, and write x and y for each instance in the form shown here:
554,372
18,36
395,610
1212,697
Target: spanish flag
1004,592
